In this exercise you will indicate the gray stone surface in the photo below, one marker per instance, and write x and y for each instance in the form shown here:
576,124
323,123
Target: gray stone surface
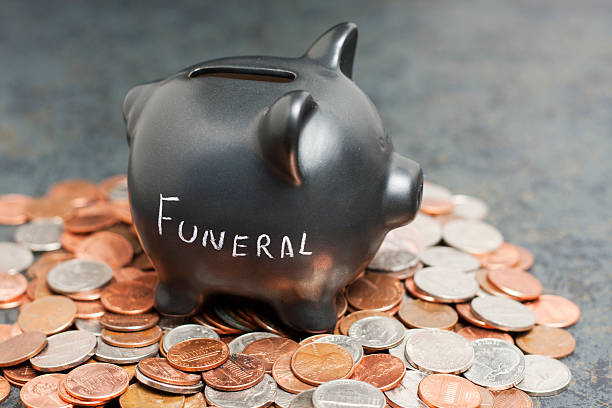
508,101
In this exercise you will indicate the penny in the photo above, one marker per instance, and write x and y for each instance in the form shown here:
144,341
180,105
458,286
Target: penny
127,323
283,398
312,338
12,286
448,391
42,392
345,323
90,219
544,376
21,373
159,369
122,355
14,258
65,350
196,400
129,369
405,395
554,311
41,267
436,199
472,236
486,286
40,235
128,274
284,377
78,192
48,207
260,395
511,398
516,283
13,208
377,332
96,381
87,295
449,257
525,258
13,303
5,389
50,315
139,396
64,396
348,394
474,333
303,400
503,314
507,255
121,210
106,247
465,206
408,272
383,371
186,332
127,232
439,351
547,341
498,365
270,349
239,372
423,315
131,339
317,363
78,275
374,292
486,396
88,309
174,389
198,354
350,344
341,304
446,284
89,325
71,241
128,298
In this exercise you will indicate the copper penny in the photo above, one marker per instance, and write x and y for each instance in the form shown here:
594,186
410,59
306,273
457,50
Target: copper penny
341,305
41,392
129,273
9,330
142,261
507,255
516,283
198,354
71,241
317,363
12,286
465,311
270,349
5,389
64,396
21,373
374,291
140,396
436,199
128,233
41,267
131,339
78,193
554,311
107,185
448,391
90,219
284,377
548,341
13,303
474,333
40,289
159,369
128,298
121,210
87,295
127,323
525,258
511,398
96,381
239,372
348,320
50,315
106,247
48,207
485,284
423,315
89,309
13,209
383,371
195,401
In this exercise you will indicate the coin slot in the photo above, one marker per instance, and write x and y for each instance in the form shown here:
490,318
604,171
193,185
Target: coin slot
246,74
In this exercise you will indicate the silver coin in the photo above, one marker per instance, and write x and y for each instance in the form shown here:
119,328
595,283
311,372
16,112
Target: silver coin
257,396
377,332
399,351
303,400
78,275
446,284
503,313
65,350
14,258
449,257
544,376
439,351
186,332
348,394
346,342
429,229
40,235
469,207
123,355
238,345
405,395
472,236
89,325
392,260
498,365
174,389
283,398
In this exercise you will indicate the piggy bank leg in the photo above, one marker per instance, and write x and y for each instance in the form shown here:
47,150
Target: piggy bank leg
173,299
308,315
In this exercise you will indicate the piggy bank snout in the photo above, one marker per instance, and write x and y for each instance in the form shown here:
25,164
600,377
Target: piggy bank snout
404,191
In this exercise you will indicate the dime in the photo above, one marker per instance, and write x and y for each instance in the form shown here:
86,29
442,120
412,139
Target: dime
14,258
238,373
283,398
425,315
77,192
238,344
446,284
317,363
507,255
96,381
548,341
515,282
346,322
90,219
554,311
428,228
91,309
123,355
12,286
186,332
41,234
439,351
128,323
42,392
261,395
465,206
198,354
511,398
13,208
503,314
159,369
5,389
139,396
348,394
383,371
284,377
474,333
405,395
377,332
174,389
399,351
303,400
418,293
448,391
131,339
498,365
450,258
270,349
89,325
472,236
78,275
436,199
544,376
374,292
350,344
128,298
106,247
49,315
65,350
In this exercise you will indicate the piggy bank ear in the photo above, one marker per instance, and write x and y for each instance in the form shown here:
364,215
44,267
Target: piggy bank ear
336,48
280,130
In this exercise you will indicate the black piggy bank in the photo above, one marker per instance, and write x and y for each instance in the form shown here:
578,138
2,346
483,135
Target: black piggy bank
265,177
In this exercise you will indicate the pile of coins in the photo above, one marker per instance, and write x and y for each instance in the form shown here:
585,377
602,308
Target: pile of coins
445,315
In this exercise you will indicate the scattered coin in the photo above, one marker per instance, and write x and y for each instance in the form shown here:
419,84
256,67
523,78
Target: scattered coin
238,344
503,314
399,351
350,344
374,292
14,258
42,392
238,373
554,311
474,333
450,258
65,350
128,298
303,400
317,363
198,354
486,286
13,209
96,381
126,323
525,258
544,376
260,395
377,332
270,349
507,255
122,355
447,391
283,398
64,396
515,282
424,315
472,236
405,395
21,347
439,351
107,247
348,393
49,315
131,339
498,365
196,400
511,398
436,199
21,373
159,369
428,228
48,207
446,284
383,371
392,260
89,325
186,332
12,286
162,386
548,341
91,309
139,396
90,219
78,275
284,377
77,192
347,321
41,234
465,206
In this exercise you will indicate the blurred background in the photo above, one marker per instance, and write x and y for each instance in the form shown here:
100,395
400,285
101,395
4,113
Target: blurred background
509,101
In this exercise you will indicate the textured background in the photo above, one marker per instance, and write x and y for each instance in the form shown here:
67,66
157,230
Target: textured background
508,101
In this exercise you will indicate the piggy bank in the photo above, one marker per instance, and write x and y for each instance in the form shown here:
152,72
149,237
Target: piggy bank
264,177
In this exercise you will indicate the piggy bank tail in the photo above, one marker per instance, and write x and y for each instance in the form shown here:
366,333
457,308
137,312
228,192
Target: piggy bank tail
133,105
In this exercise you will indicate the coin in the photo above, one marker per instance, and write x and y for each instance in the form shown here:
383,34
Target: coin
345,323
238,344
107,247
270,349
525,258
507,255
139,396
12,286
174,389
261,395
159,369
239,372
383,371
348,393
13,209
198,354
91,309
50,315
498,365
392,260
42,392
122,355
116,184
448,391
515,282
78,275
399,351
465,206
89,325
87,295
186,332
419,314
405,395
487,397
317,363
439,351
449,257
48,207
472,236
436,199
65,350
374,292
196,400
486,286
350,344
96,381
377,332
544,376
90,219
503,314
284,377
548,341
40,235
554,311
428,228
446,284
474,333
64,396
283,398
418,293
126,323
131,339
128,298
21,373
5,389
303,400
14,258
511,398
77,192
